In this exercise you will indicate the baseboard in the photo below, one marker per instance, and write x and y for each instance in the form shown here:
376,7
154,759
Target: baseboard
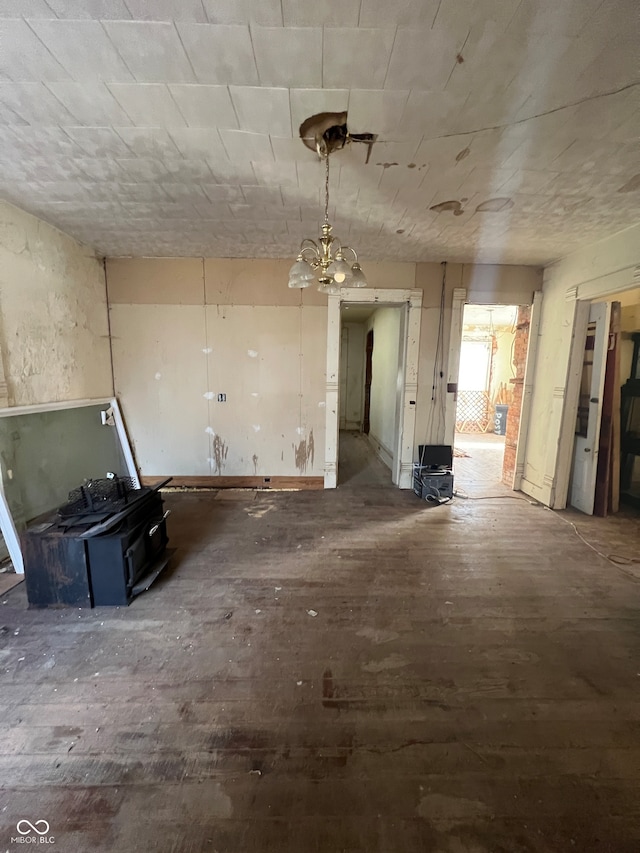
213,482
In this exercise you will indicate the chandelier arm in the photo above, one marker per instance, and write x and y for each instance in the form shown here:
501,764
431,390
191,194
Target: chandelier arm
344,249
313,245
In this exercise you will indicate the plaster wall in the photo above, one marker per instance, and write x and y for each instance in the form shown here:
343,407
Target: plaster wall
604,268
232,326
188,330
54,335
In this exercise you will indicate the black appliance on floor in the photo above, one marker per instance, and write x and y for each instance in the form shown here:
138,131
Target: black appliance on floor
103,547
433,474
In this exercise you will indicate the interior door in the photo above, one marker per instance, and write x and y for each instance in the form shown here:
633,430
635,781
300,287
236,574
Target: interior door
368,377
587,436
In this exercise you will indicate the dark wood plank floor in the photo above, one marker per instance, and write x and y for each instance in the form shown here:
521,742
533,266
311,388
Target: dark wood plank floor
350,670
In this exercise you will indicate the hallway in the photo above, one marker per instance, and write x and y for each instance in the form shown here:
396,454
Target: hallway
347,670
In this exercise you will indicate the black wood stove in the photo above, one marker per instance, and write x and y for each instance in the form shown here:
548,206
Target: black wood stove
103,547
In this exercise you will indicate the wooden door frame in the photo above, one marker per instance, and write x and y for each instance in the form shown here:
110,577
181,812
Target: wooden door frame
410,344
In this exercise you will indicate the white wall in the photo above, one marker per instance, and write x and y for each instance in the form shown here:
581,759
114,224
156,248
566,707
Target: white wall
385,323
54,334
352,361
604,268
187,329
166,312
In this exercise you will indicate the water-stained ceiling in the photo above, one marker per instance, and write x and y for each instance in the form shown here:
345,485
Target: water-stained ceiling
507,130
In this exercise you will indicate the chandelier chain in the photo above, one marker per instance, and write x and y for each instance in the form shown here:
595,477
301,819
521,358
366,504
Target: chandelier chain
326,193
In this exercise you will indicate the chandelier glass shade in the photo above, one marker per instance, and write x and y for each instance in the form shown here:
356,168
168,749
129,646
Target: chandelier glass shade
323,261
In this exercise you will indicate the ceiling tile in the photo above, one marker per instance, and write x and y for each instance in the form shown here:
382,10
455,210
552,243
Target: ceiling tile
431,113
423,59
267,12
205,106
373,111
97,9
382,13
184,192
330,13
99,142
219,53
262,195
34,103
232,172
45,141
149,142
222,192
83,49
152,51
187,170
262,110
243,146
356,58
275,174
308,102
198,143
283,55
24,57
288,148
148,104
142,169
167,10
25,9
8,116
101,169
90,103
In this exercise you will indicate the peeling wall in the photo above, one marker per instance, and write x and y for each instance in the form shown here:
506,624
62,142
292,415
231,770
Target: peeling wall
605,267
186,329
54,335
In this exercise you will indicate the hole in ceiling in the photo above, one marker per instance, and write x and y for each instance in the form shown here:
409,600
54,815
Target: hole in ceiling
328,132
494,205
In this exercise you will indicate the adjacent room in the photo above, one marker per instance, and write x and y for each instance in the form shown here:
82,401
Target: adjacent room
320,426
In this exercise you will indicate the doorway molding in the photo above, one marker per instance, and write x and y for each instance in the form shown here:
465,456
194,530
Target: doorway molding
402,474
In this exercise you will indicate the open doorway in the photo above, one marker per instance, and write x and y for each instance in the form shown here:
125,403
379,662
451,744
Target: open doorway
493,356
371,364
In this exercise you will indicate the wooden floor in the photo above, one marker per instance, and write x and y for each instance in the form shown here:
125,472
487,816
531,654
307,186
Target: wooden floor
349,670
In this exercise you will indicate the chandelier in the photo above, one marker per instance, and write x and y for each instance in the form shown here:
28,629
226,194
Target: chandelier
324,261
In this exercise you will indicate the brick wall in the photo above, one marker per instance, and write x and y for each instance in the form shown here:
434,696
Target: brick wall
521,344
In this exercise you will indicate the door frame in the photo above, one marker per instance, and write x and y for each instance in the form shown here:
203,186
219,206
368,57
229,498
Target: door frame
402,474
585,502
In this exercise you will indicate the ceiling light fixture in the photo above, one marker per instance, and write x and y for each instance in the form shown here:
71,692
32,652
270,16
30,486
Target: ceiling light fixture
335,272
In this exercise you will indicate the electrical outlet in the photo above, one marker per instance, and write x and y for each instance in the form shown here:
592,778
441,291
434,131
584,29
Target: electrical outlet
222,398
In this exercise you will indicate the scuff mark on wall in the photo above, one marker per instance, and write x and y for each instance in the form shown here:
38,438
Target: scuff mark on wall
304,453
255,463
220,451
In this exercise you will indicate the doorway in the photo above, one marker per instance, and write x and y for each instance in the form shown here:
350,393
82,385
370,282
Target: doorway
392,422
605,453
492,363
371,355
